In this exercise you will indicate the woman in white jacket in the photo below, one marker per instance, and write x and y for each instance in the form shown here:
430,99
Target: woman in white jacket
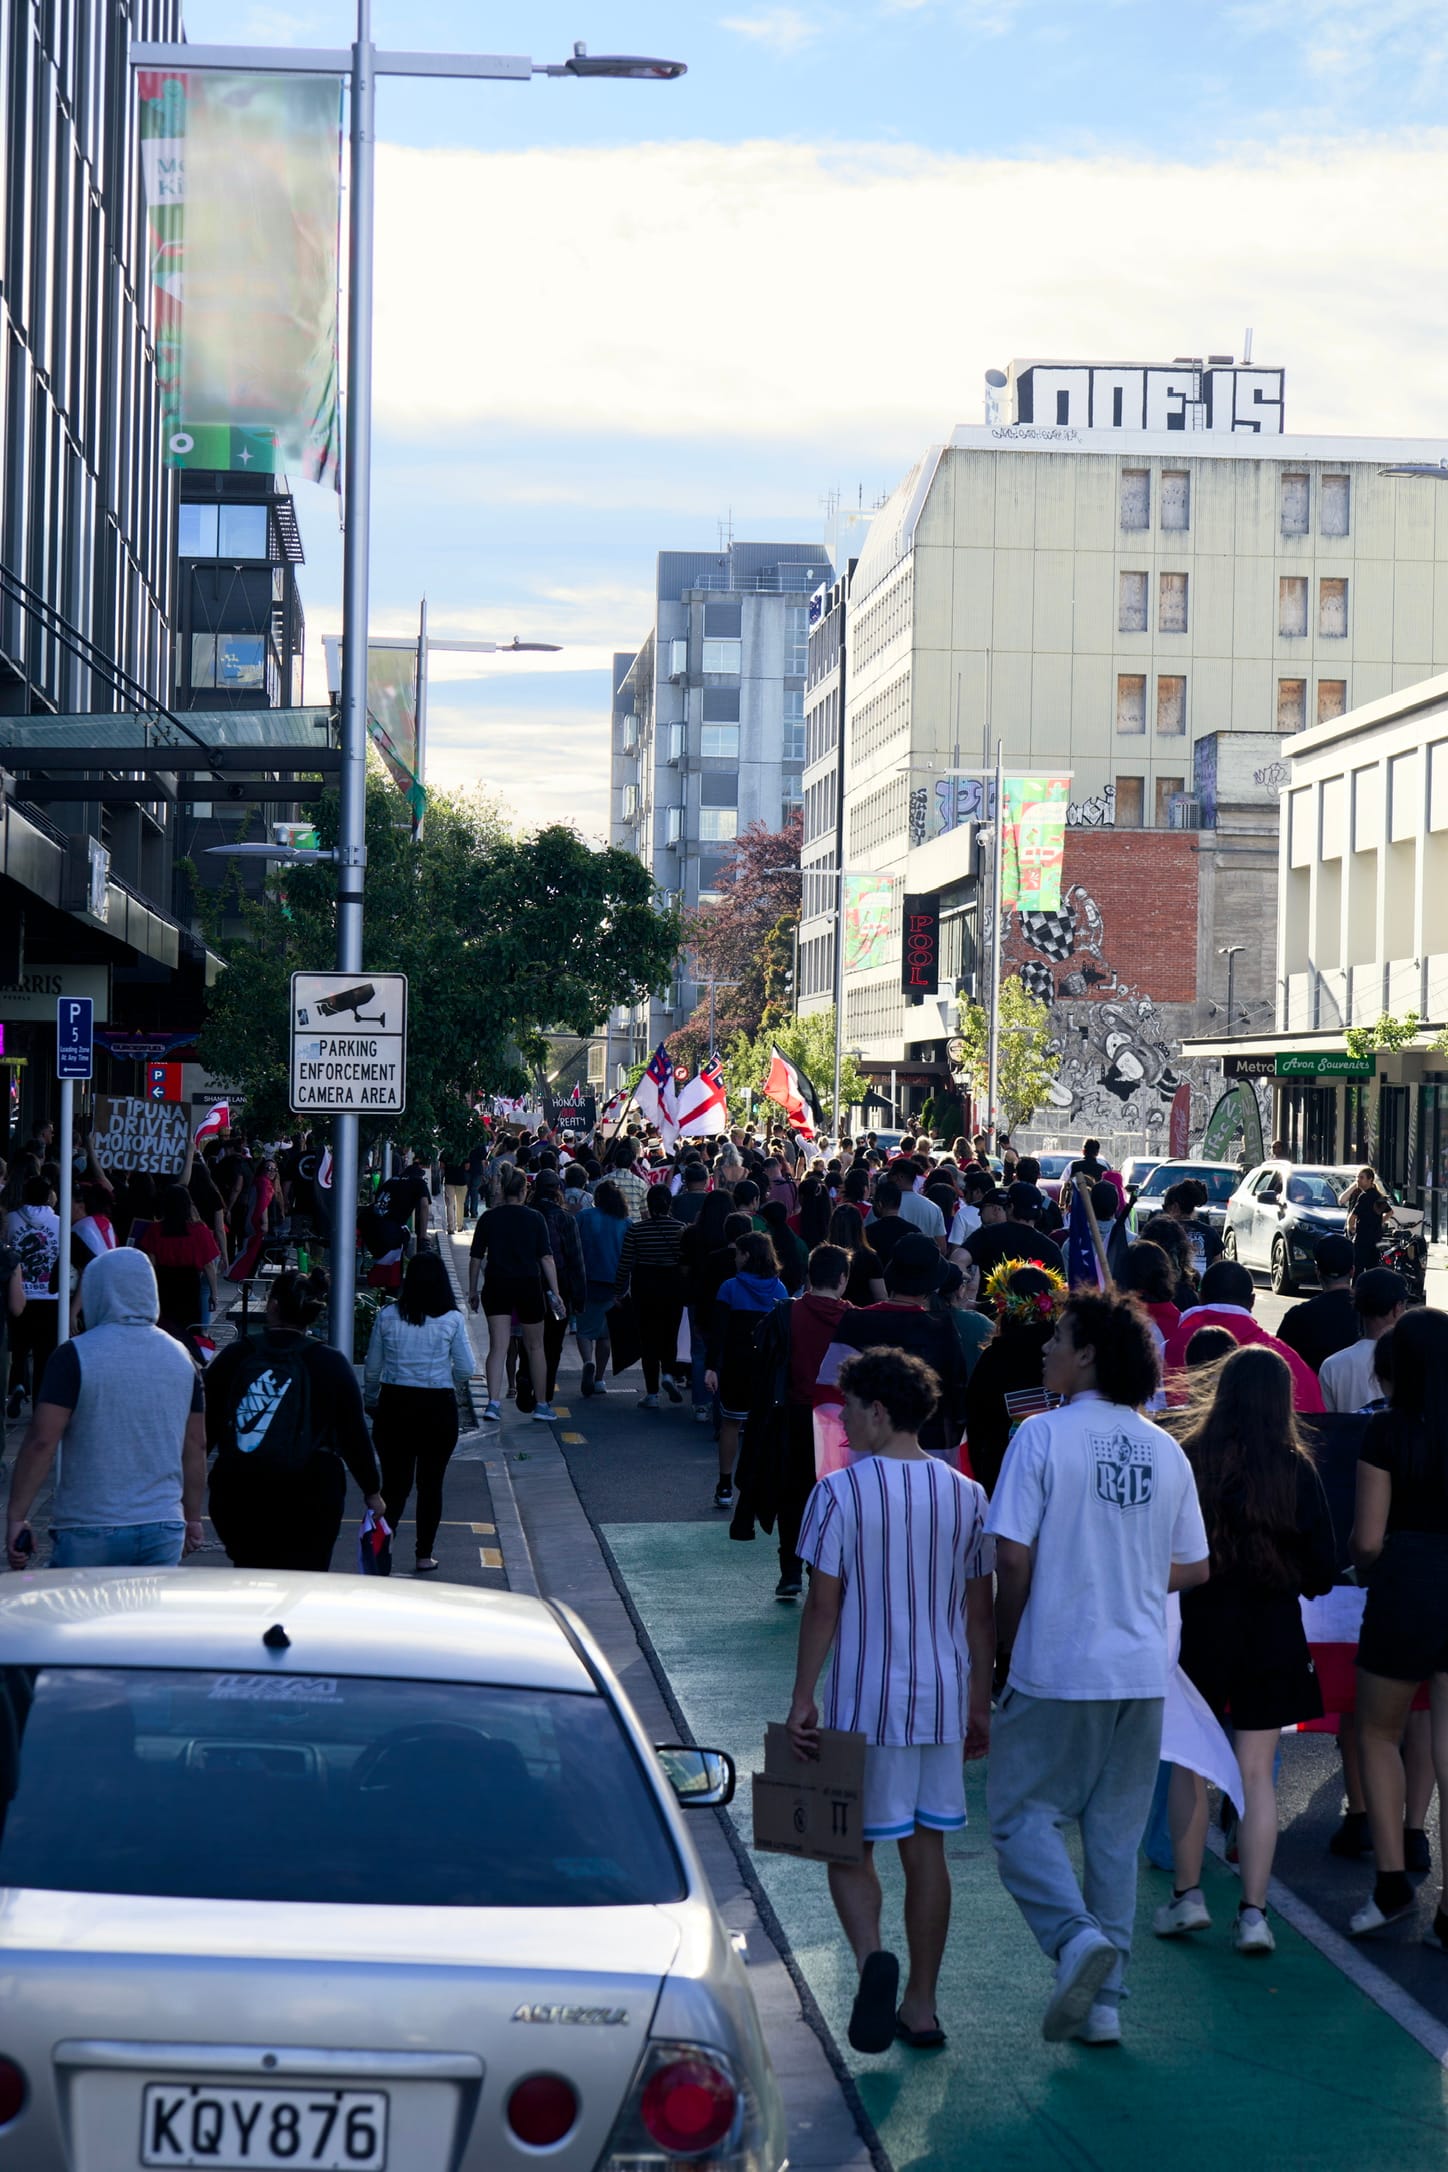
418,1359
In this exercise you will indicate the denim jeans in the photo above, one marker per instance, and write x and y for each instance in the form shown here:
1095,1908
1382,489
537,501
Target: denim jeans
118,1546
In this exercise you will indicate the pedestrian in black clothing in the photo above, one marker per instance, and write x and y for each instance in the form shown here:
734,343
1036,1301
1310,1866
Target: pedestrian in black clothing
813,1220
866,1285
1015,1238
789,1251
1368,1210
511,1276
566,1246
1165,1231
1012,1363
1321,1326
284,1415
649,1269
906,1321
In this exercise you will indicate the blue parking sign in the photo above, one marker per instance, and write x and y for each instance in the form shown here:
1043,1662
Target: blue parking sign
74,1024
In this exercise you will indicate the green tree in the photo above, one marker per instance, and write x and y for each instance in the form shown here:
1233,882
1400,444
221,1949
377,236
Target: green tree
747,938
1027,1062
503,939
1388,1032
809,1043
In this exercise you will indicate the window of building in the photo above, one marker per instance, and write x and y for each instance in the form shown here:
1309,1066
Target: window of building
1171,609
721,705
1167,789
725,620
1171,706
631,733
673,824
721,740
793,747
678,742
719,788
1176,498
1291,704
1294,504
1334,504
1331,699
1332,609
718,822
796,640
1131,607
794,705
196,531
1292,605
1136,497
723,656
1131,702
242,531
228,659
678,658
1130,802
630,802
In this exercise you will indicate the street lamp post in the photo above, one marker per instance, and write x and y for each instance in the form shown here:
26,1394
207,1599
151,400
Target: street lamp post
1230,952
360,67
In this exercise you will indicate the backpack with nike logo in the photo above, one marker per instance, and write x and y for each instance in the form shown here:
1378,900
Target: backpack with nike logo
270,1417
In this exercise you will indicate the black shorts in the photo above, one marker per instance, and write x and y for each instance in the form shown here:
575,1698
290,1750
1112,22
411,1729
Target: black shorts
522,1294
1405,1623
1246,1651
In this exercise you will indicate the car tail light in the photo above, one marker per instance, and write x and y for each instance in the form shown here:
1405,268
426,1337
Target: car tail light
689,2105
12,2091
542,2110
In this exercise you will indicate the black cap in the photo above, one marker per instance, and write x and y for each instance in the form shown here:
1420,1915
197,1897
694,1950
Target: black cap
1025,1201
914,1267
1332,1257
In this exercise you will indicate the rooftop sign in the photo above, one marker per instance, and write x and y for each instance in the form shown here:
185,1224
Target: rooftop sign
1190,396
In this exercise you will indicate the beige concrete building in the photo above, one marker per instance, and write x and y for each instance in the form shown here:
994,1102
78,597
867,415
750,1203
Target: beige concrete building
1133,574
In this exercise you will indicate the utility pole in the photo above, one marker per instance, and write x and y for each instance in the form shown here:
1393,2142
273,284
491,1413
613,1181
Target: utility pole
1229,951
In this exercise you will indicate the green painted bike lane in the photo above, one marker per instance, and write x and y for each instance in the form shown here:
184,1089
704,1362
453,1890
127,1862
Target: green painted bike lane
1227,2062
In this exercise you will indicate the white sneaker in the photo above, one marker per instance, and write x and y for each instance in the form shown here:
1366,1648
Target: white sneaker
1253,1933
1101,2026
1082,1966
1188,1912
1370,1918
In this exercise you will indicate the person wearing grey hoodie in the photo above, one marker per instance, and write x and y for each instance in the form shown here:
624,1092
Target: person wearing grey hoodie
126,1400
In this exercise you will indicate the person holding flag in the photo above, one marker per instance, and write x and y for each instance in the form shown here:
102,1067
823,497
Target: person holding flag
702,1109
791,1090
655,1095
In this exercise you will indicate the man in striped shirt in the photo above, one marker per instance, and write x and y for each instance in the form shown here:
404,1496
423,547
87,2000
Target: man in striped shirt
635,1188
901,1587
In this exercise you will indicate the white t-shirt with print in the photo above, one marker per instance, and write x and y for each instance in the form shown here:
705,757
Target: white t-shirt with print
1109,1502
904,1538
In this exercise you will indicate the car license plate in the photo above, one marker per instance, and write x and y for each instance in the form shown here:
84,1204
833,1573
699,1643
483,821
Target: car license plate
332,2130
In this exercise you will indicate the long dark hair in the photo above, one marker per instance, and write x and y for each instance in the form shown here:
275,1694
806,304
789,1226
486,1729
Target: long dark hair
710,1220
814,1211
1244,1446
426,1291
173,1211
1419,1368
848,1230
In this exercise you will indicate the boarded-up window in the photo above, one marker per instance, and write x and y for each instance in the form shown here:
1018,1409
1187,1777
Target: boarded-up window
1171,611
1291,704
1131,614
1292,604
1131,702
1333,505
1136,497
1171,707
1331,699
1167,789
1332,609
724,621
1176,498
1130,802
1294,504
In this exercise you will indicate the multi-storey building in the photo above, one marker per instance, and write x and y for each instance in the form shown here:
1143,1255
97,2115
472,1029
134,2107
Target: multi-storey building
708,730
1131,575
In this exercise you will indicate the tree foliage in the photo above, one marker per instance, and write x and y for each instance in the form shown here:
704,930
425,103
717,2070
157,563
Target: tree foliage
747,938
1386,1032
1027,1063
809,1043
503,939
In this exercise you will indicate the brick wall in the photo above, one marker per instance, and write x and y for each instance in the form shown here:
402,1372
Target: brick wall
1128,920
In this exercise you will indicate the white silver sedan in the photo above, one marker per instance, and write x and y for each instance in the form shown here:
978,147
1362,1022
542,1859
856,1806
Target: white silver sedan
355,1875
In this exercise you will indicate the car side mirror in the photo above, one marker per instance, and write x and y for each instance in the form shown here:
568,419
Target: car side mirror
700,1779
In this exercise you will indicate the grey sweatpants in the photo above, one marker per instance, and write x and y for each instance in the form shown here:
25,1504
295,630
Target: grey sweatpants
1054,1763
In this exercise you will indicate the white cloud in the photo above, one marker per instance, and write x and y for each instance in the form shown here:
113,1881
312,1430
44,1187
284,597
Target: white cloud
549,766
609,329
1342,41
785,31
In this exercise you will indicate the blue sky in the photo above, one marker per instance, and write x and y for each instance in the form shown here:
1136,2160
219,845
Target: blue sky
612,315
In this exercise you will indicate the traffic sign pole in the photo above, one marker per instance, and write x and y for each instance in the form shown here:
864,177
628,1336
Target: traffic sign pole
74,1025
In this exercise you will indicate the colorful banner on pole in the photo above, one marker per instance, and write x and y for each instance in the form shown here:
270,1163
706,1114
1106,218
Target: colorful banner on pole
243,190
392,720
867,921
1034,822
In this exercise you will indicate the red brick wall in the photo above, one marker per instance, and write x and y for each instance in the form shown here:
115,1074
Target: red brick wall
1144,887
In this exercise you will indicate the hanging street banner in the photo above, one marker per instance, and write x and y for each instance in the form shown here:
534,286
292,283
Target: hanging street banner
867,921
1034,825
392,720
349,1044
243,193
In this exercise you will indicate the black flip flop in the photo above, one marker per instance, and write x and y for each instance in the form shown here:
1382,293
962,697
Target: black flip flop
872,2017
931,2039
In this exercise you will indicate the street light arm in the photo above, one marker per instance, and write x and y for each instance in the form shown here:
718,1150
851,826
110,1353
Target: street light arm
478,67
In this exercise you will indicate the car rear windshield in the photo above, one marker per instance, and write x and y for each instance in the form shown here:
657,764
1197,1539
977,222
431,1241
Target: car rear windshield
1220,1183
298,1787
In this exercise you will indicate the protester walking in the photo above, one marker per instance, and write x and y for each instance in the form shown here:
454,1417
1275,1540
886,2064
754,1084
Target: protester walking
546,1199
752,1290
1243,1645
184,1253
1095,1519
1368,1211
1347,1378
122,1403
511,1276
284,1416
258,1218
32,1232
419,1361
1322,1325
866,1285
1024,1304
707,1259
649,1272
601,1228
896,1543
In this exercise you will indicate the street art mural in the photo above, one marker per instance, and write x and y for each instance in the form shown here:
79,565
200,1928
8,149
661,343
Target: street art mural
1118,1071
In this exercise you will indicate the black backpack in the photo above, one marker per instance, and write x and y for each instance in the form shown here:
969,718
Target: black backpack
270,1414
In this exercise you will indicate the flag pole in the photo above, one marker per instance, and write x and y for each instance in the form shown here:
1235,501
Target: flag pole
1097,1246
993,1052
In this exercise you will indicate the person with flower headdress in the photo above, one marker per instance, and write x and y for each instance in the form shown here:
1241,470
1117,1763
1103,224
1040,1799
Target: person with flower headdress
1023,1300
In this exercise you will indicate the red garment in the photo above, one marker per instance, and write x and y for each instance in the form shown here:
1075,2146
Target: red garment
244,1267
196,1248
1240,1325
1166,1317
812,1321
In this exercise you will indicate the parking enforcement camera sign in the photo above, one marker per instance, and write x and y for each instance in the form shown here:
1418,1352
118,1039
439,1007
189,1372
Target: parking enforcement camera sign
349,1044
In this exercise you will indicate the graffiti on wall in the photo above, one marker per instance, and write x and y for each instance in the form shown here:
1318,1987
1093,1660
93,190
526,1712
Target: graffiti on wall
1119,1069
938,808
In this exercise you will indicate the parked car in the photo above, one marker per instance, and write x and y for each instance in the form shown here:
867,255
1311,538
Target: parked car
299,1871
1221,1179
1279,1213
1053,1172
1135,1172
